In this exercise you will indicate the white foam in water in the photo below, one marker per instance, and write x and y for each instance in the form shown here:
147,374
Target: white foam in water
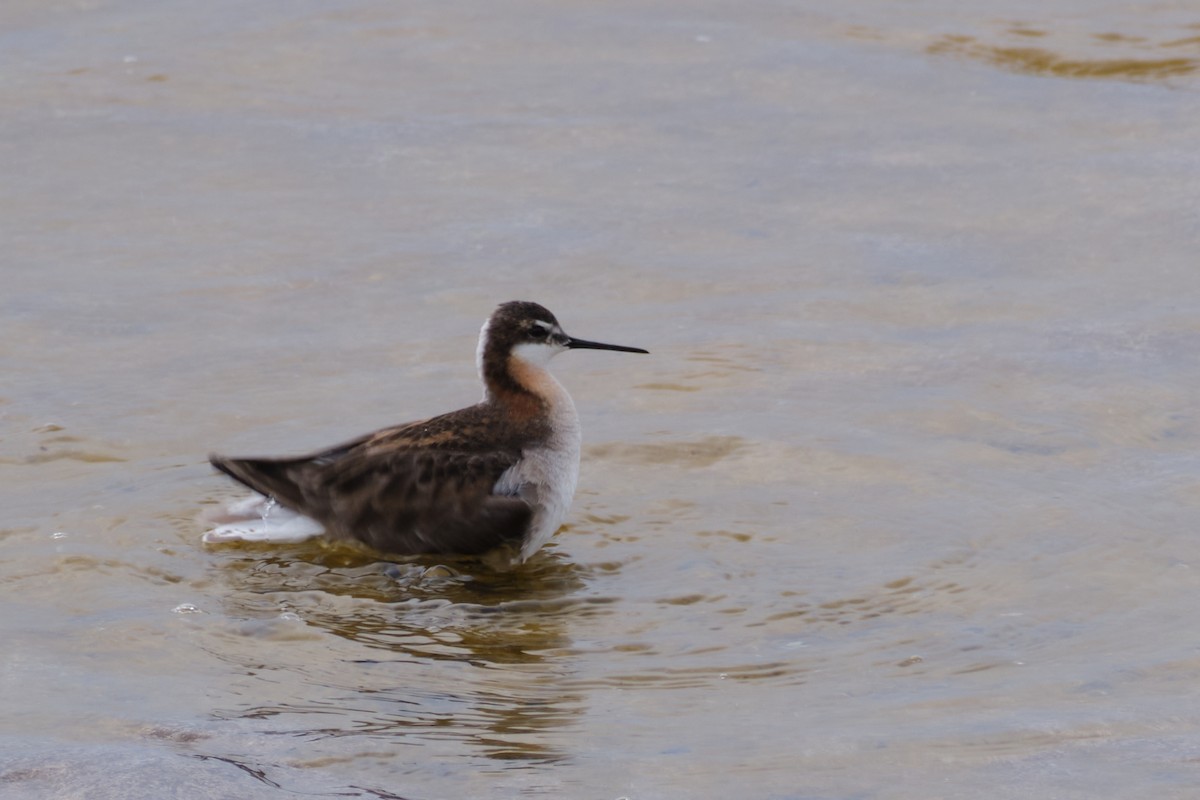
260,519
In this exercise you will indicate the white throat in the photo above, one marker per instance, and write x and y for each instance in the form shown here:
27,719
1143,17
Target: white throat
537,354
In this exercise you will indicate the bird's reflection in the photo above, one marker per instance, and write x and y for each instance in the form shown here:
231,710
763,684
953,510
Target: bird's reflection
444,649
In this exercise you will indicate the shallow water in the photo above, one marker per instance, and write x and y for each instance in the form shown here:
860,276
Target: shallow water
901,505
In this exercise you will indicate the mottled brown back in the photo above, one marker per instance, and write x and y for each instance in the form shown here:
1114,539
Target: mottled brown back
423,487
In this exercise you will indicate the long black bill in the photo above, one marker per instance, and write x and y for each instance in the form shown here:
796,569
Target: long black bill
584,344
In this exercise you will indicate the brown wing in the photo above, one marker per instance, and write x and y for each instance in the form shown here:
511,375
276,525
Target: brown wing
422,487
395,499
422,501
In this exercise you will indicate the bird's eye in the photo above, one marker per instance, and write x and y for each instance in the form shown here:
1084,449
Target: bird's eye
539,332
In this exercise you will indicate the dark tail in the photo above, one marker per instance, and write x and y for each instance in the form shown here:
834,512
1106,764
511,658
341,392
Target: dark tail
277,478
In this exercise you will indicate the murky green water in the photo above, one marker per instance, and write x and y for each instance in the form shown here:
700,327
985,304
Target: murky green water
902,505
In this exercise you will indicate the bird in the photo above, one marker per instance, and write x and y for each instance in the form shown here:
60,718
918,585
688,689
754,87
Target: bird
497,475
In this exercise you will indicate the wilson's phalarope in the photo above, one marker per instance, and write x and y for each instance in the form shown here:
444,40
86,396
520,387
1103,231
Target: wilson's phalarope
498,473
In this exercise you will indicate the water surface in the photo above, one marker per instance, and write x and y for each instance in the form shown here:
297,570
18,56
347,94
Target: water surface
901,506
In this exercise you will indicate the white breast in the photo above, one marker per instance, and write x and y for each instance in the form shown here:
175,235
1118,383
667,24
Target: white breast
546,475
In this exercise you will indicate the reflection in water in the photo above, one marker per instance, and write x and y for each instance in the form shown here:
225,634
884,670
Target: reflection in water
702,452
47,443
254,772
433,651
1039,61
777,641
1137,58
